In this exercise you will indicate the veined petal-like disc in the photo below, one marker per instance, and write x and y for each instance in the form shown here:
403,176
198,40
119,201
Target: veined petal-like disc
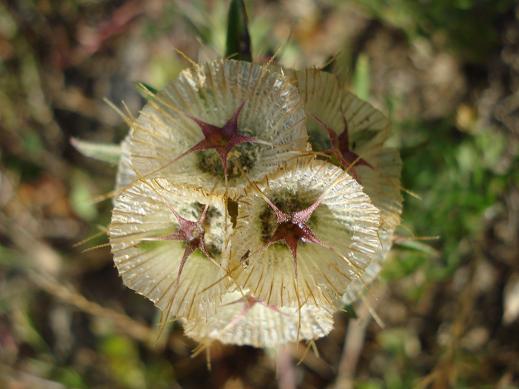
144,212
125,174
259,325
345,222
213,92
325,99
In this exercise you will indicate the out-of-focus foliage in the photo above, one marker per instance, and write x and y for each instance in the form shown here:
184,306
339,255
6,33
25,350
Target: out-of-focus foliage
238,45
469,26
457,192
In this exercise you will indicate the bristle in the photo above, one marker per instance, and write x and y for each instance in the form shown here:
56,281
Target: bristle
96,247
91,237
305,352
186,57
410,193
127,119
374,313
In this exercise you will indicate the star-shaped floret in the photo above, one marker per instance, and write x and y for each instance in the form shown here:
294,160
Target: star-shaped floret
340,148
293,227
192,233
221,139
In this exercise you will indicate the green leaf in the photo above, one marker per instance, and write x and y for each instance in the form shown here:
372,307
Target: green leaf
238,44
81,196
70,378
122,361
102,152
418,246
361,79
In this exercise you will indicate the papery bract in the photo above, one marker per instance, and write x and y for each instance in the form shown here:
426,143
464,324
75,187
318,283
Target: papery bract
150,263
181,134
345,223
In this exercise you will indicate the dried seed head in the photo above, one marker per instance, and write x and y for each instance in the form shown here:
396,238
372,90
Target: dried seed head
307,235
338,238
216,123
168,245
245,320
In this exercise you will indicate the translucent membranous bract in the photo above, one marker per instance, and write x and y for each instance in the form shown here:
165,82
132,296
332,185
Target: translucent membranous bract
221,120
243,320
149,251
344,230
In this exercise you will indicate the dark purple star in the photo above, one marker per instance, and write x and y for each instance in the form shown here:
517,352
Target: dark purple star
292,227
340,148
191,233
221,139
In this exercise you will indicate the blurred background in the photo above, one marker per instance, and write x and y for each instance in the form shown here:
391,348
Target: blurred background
446,72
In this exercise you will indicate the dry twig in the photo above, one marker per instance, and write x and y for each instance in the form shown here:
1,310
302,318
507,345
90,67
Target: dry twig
354,340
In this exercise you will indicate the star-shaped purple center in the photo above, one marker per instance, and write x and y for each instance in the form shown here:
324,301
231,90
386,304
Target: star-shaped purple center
292,227
192,233
221,139
340,148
